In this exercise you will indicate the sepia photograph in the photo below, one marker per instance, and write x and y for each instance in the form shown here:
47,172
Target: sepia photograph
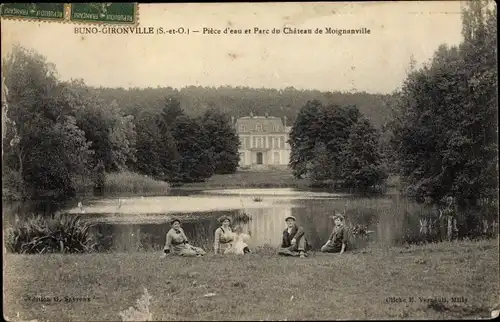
255,161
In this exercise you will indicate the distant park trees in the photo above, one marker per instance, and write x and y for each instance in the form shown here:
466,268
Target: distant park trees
336,145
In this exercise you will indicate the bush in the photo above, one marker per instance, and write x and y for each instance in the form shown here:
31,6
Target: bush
55,234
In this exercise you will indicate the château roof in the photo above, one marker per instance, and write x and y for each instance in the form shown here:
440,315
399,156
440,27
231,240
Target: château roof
260,124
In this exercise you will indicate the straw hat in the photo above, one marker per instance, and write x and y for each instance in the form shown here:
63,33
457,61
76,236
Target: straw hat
290,217
224,218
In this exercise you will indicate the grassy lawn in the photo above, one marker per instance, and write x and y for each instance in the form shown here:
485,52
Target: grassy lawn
260,286
273,178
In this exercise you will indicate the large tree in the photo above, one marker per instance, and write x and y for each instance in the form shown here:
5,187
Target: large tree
44,148
445,135
157,153
328,125
362,165
303,135
223,139
196,155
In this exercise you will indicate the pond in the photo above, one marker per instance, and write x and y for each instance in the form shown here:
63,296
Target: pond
140,223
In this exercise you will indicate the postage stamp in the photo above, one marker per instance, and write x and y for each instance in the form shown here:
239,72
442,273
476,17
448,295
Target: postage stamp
106,12
38,11
250,161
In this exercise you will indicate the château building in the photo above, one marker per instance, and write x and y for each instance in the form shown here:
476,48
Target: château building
263,141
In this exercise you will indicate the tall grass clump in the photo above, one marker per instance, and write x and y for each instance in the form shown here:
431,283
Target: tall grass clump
54,234
126,182
141,311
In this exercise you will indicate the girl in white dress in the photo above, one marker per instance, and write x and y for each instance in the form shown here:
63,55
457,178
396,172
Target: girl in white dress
239,245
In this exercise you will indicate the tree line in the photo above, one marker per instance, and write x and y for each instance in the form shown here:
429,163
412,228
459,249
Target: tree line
445,126
442,135
62,137
438,132
241,101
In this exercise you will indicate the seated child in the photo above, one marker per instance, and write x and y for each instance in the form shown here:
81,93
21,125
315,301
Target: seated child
238,245
338,239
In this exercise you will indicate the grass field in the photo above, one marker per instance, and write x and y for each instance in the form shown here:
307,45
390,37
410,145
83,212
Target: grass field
273,178
261,286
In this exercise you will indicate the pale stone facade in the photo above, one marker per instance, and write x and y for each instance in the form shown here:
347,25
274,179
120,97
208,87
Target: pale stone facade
263,141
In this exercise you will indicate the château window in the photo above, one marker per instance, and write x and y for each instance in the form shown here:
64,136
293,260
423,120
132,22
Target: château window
243,128
276,128
260,142
258,127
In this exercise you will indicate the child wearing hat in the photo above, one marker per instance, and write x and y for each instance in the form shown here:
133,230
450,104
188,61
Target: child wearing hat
239,245
177,242
223,236
338,239
294,242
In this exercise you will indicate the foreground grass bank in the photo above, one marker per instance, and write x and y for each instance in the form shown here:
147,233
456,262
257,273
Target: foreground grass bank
363,285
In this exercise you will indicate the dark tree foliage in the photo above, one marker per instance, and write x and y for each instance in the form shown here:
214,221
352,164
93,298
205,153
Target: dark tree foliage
334,143
223,139
362,164
303,135
196,163
43,147
445,133
171,111
241,101
157,154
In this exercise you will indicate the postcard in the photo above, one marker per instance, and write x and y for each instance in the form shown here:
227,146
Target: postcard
250,161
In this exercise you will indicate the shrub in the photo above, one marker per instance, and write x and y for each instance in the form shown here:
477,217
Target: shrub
141,312
55,234
241,217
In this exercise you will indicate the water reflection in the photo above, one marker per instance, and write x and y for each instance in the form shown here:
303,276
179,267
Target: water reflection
141,223
264,224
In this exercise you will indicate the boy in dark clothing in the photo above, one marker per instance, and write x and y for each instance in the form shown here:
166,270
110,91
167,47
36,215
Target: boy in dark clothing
294,242
338,239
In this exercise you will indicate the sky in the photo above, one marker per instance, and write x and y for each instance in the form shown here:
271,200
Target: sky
374,63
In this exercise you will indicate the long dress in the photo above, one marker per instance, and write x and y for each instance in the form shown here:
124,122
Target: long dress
238,245
338,237
177,243
222,240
